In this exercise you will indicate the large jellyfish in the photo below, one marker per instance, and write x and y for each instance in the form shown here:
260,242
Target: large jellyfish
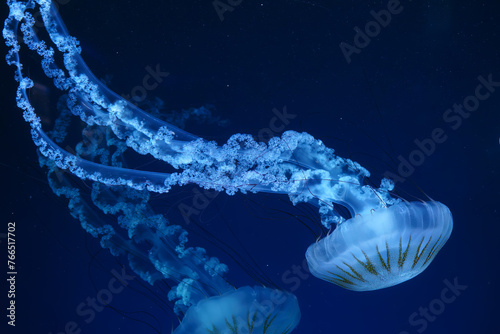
383,248
387,241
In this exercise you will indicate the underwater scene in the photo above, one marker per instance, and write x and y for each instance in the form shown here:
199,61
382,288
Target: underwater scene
243,167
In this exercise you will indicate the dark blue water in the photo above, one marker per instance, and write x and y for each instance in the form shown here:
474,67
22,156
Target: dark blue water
384,105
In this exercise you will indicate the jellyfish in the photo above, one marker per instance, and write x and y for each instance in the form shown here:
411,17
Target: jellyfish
387,241
208,303
384,248
253,310
157,249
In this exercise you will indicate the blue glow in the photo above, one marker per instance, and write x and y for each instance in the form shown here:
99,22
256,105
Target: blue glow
387,241
382,249
254,310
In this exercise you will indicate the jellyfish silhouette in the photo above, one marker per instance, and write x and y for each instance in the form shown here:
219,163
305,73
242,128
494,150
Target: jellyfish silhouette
387,241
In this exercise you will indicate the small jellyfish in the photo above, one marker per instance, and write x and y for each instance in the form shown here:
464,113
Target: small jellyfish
257,310
383,248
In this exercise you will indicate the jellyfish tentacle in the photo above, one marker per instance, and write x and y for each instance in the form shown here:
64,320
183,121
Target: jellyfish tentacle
295,164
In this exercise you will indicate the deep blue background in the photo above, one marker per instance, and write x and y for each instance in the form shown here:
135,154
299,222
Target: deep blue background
266,55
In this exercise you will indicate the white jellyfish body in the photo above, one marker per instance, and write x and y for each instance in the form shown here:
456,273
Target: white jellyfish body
246,310
382,249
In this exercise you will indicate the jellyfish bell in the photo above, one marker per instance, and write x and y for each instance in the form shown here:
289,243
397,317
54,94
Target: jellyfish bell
384,248
245,310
